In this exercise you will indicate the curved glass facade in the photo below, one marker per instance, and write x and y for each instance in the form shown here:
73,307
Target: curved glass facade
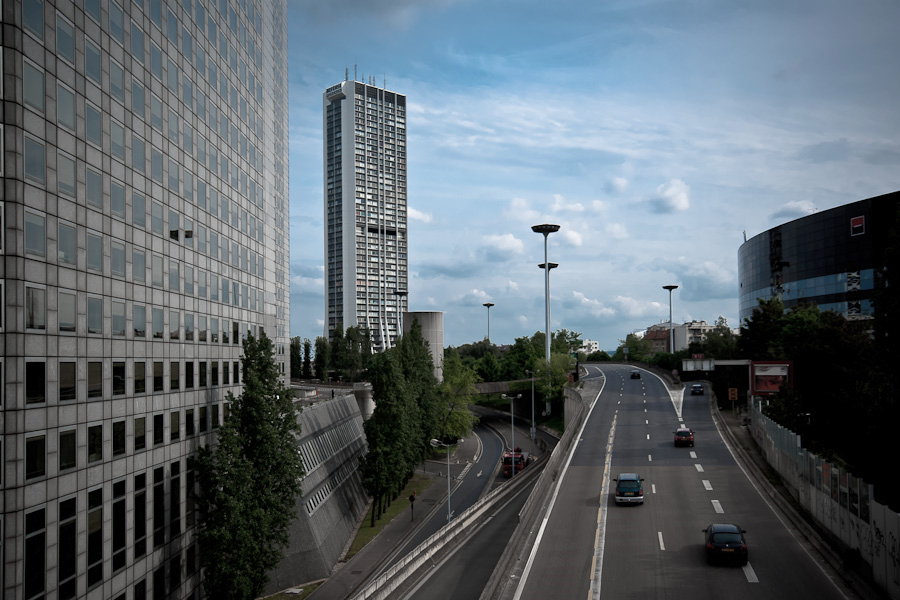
833,259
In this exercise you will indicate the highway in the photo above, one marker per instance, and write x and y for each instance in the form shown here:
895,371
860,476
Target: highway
591,548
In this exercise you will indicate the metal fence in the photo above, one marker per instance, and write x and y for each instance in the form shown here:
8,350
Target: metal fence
841,503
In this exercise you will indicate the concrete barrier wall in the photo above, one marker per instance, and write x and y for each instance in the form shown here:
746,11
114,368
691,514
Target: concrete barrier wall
842,504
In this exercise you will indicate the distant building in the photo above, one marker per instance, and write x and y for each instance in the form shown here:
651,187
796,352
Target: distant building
589,346
834,259
657,336
365,210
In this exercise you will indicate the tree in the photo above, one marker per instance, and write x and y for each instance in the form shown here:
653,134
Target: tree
249,480
515,362
417,367
458,391
306,372
322,361
638,349
296,358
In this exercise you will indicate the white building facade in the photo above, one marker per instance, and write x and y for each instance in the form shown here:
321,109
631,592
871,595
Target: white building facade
144,234
365,210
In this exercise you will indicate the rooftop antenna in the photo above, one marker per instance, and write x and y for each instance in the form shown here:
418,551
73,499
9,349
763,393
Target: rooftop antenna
355,78
346,73
745,235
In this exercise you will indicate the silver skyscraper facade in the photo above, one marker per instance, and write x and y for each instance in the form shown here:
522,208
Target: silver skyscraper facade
365,210
143,235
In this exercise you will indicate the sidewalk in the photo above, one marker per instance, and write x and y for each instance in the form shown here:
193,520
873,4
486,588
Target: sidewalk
349,576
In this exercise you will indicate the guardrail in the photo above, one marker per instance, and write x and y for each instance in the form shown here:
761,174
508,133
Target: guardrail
410,568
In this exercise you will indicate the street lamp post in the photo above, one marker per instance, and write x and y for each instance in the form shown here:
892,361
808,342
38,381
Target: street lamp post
548,266
488,306
546,229
435,444
531,375
512,428
671,331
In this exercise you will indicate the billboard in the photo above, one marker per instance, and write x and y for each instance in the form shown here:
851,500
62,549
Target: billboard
768,376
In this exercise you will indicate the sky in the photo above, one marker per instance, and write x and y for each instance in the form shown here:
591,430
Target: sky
656,133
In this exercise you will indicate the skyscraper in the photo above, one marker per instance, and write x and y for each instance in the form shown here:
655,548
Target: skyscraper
365,210
143,236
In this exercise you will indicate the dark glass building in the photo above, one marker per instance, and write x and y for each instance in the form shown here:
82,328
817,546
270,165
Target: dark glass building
834,259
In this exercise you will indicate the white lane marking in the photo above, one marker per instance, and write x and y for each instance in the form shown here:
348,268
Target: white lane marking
600,536
649,458
750,574
706,485
537,542
693,454
648,436
717,506
653,488
645,410
662,545
699,467
646,421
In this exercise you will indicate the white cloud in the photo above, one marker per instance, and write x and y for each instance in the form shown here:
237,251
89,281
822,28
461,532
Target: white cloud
616,185
417,215
572,237
512,286
592,306
599,206
793,210
560,204
520,210
617,231
672,196
502,246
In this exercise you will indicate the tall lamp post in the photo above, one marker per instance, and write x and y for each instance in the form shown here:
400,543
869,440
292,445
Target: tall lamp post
488,306
546,229
671,331
439,444
531,375
512,429
548,267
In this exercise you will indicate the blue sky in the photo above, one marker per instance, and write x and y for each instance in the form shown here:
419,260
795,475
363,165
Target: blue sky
654,132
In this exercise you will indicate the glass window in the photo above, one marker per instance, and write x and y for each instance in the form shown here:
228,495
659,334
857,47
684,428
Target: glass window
93,124
67,446
65,175
92,8
93,184
140,380
95,519
35,233
118,318
66,244
138,96
95,315
117,199
188,280
140,433
157,387
67,381
35,308
156,112
92,65
188,327
95,443
174,276
156,64
156,270
156,165
35,457
95,379
118,378
33,20
117,258
139,265
118,439
157,322
175,416
117,140
116,81
138,154
33,86
35,161
174,325
201,329
139,320
65,39
137,43
138,210
94,252
172,75
66,311
116,23
65,107
35,382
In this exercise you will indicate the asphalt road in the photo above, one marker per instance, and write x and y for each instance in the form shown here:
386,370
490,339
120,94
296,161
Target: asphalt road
592,548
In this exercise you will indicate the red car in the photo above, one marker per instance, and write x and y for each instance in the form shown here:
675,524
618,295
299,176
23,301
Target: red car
684,436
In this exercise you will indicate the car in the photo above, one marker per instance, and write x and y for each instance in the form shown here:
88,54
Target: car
684,436
635,374
629,488
725,542
696,389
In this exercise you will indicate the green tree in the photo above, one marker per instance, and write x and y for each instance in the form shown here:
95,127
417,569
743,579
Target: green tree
518,359
249,481
488,367
458,392
296,357
638,349
599,356
417,367
307,372
322,361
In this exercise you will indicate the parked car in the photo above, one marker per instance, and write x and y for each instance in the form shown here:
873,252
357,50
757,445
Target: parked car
635,374
696,389
684,436
629,488
725,542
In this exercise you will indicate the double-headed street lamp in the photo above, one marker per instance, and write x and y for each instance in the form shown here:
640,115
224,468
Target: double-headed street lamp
671,331
488,306
545,230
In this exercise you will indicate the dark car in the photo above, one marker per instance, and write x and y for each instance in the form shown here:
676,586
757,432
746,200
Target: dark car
725,542
629,488
696,389
684,436
635,374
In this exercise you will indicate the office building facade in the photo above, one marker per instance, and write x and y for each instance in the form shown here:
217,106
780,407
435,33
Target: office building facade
365,210
144,235
834,259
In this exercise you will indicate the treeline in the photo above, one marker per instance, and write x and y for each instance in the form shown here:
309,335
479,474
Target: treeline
345,357
411,409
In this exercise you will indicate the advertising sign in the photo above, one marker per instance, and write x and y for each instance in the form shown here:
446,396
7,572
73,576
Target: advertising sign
768,376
